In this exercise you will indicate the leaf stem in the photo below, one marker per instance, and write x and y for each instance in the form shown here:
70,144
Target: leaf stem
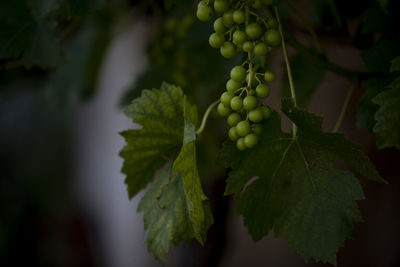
344,108
289,69
205,117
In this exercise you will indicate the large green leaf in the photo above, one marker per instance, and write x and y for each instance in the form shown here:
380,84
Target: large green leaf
292,185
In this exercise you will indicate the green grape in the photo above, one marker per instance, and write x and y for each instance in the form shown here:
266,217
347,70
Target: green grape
233,119
248,46
262,90
261,49
253,81
223,110
204,13
243,128
227,18
256,115
272,23
238,48
232,86
236,103
216,40
227,50
239,16
240,144
249,102
256,4
257,129
226,98
252,92
269,76
232,133
221,6
238,73
250,140
171,24
266,112
272,37
219,26
253,30
267,2
239,37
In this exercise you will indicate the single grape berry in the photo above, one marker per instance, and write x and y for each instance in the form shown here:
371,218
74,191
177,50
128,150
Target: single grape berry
248,46
240,144
251,92
226,98
239,16
219,26
232,133
256,4
269,76
266,112
257,129
239,37
233,119
243,128
253,30
262,90
272,37
232,86
250,140
256,115
236,103
227,18
223,110
204,13
267,2
221,6
216,40
249,102
238,73
272,23
228,50
261,49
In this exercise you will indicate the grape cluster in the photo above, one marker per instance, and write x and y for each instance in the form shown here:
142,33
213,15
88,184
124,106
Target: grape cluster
242,29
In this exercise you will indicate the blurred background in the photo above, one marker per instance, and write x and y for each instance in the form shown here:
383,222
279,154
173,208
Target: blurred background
68,69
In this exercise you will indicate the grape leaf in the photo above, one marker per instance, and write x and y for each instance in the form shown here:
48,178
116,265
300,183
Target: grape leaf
291,185
387,127
175,207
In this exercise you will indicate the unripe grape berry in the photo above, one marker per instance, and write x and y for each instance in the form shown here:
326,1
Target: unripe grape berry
266,112
272,23
250,140
256,115
267,2
239,16
249,102
251,92
233,119
238,73
216,40
240,144
253,30
227,50
256,4
269,76
226,98
232,133
262,90
227,18
219,26
243,128
236,103
239,37
223,110
232,85
261,49
257,129
248,46
272,37
204,13
221,6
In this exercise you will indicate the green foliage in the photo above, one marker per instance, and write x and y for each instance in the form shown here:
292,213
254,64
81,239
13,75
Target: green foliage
298,191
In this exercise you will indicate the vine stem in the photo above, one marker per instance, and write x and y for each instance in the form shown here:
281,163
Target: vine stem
344,108
289,69
205,117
